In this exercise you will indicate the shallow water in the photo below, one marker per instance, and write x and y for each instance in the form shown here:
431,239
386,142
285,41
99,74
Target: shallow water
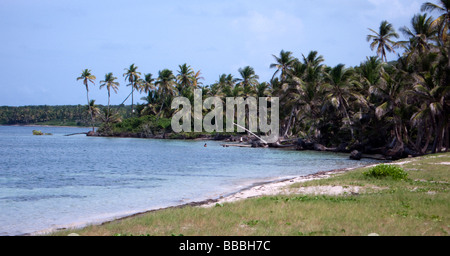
49,182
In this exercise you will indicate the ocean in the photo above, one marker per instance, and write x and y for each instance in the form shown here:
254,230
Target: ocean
56,181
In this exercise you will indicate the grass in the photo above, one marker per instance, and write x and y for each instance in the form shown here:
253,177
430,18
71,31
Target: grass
416,206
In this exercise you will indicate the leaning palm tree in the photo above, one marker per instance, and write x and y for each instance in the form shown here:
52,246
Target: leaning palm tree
110,83
132,75
382,40
87,77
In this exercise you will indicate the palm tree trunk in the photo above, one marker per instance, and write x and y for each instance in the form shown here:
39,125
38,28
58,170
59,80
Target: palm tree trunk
132,98
109,113
289,123
349,121
90,110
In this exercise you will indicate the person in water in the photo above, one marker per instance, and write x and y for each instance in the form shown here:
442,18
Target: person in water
205,145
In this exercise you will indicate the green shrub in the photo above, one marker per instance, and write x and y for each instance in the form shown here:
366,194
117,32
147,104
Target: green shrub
36,132
384,170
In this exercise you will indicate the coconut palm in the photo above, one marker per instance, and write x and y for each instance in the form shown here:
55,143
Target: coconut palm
248,80
443,21
93,110
283,63
132,75
147,84
110,83
184,77
165,86
432,97
382,40
87,78
196,79
423,31
339,88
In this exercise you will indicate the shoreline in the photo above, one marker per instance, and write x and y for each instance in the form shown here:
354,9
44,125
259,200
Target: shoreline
257,189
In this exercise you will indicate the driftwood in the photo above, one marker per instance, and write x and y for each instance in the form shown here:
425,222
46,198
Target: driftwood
79,133
236,145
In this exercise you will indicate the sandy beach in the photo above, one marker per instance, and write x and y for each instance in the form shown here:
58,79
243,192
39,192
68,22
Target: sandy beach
282,187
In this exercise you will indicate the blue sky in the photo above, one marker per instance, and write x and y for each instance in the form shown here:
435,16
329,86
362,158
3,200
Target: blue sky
46,44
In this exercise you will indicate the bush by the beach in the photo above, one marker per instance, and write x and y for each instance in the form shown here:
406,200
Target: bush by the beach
384,170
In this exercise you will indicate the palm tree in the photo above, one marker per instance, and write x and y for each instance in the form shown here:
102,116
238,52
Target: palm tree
184,77
392,94
147,84
196,79
132,75
431,95
166,87
93,110
283,63
338,90
422,32
382,40
87,77
248,81
110,83
443,21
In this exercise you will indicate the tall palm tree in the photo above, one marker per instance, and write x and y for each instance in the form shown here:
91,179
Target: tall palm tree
132,75
382,40
166,87
248,80
110,83
196,79
184,77
93,110
87,78
283,63
147,84
338,90
422,32
313,65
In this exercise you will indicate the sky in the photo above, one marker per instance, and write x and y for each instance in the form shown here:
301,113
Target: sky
45,44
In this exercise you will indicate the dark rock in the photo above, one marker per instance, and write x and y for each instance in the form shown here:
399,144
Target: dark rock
355,155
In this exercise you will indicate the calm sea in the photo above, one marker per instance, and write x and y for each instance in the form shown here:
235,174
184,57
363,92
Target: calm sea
49,182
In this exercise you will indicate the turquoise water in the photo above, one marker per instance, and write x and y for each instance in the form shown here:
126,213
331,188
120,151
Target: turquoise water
49,182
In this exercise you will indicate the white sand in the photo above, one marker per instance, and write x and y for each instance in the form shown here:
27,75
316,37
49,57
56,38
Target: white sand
282,188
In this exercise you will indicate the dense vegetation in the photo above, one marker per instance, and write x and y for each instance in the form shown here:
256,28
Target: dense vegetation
396,108
68,115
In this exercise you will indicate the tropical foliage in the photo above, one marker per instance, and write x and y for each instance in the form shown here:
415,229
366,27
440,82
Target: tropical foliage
396,107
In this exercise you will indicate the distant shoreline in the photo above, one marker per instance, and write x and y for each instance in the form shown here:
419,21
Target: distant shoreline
46,125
